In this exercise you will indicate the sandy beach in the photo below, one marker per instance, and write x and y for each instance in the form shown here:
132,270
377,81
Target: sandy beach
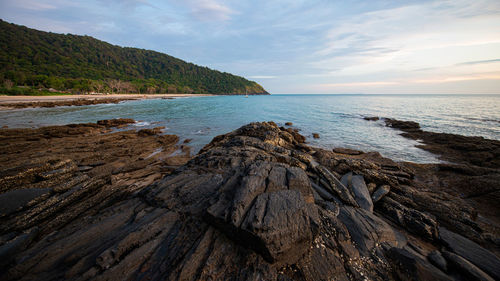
23,99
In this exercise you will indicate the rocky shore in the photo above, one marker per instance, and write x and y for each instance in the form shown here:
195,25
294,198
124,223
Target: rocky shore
255,204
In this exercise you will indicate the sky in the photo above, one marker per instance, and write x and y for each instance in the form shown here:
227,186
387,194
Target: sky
298,46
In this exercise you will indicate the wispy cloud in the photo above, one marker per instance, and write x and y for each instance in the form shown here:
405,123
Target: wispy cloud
210,10
479,62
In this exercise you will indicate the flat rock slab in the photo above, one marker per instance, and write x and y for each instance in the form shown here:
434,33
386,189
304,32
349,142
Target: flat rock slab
12,200
466,268
471,251
356,184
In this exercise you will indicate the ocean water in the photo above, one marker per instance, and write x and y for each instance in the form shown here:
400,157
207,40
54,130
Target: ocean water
337,118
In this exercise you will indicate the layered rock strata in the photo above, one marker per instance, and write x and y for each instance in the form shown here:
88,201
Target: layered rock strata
254,204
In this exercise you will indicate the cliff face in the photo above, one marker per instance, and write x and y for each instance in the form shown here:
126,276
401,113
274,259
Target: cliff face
254,204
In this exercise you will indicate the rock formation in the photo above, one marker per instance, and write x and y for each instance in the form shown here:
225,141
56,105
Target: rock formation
254,204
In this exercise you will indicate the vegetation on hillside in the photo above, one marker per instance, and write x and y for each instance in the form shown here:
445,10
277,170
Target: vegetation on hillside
32,59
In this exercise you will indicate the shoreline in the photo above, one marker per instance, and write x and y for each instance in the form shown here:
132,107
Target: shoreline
16,102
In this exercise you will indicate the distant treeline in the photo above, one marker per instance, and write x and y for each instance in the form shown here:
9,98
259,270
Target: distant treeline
35,59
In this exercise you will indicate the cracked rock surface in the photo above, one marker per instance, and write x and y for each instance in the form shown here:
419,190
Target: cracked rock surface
254,204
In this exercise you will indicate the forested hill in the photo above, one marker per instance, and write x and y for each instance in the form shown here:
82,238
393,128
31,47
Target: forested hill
32,59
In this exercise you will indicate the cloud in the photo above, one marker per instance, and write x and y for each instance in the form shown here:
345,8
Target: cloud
210,10
479,62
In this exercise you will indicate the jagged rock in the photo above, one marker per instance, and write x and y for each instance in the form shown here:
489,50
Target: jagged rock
347,151
368,230
254,204
356,183
470,271
437,259
336,186
380,193
471,251
412,220
412,267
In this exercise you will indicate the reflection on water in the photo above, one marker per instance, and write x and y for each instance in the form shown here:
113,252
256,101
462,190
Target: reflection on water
337,118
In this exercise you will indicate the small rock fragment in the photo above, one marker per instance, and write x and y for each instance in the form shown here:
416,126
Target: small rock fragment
380,193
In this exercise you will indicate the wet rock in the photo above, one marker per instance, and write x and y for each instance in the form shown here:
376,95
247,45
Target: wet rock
150,132
115,122
380,193
356,183
471,251
470,271
347,151
437,259
288,124
315,135
368,118
402,125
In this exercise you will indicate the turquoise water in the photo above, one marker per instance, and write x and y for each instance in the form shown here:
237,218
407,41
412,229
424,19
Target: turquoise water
337,118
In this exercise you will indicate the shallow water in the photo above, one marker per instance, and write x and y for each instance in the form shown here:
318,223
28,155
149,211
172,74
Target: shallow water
337,118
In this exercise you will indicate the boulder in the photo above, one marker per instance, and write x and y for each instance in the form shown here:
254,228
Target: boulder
356,183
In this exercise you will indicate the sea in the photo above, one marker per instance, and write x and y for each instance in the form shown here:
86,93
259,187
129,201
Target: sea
338,119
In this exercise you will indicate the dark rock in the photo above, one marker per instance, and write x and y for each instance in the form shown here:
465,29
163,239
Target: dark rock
280,224
368,118
380,193
347,151
9,249
315,135
115,122
368,230
187,140
412,267
412,220
288,124
402,125
150,132
11,201
471,251
336,186
437,259
254,204
470,271
356,183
